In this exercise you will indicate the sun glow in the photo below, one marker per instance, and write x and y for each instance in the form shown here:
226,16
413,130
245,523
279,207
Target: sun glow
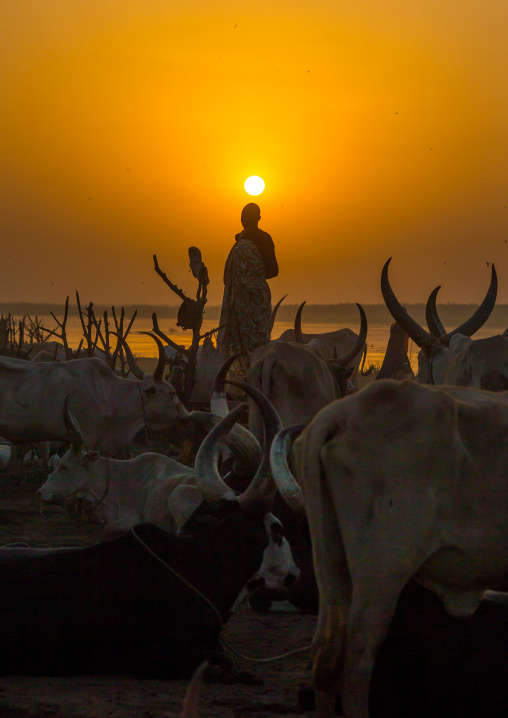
254,185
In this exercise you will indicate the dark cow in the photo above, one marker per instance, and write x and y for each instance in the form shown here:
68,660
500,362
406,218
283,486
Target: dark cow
147,603
432,665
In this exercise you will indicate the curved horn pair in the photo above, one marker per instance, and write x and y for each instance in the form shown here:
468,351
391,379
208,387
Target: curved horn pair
261,490
279,441
208,479
243,444
133,365
355,349
423,338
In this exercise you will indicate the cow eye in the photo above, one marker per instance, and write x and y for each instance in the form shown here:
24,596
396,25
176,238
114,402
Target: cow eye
151,391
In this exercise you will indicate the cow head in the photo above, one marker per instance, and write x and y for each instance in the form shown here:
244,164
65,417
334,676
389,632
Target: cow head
437,353
159,398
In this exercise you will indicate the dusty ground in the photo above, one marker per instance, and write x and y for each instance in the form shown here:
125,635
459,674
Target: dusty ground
267,690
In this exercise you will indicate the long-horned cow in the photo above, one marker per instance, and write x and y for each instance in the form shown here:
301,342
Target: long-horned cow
338,343
297,379
154,488
398,482
110,410
133,491
453,357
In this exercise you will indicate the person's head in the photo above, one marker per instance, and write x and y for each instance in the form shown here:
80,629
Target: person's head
251,214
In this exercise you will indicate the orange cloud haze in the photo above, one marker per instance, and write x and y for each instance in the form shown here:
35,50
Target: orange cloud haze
128,128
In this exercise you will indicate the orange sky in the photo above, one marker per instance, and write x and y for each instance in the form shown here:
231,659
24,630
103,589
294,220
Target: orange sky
129,126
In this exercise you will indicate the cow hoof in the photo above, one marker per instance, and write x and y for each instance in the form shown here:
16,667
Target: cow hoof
259,601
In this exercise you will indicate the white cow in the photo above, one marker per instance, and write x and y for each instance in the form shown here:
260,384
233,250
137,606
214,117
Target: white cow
400,480
153,488
136,490
110,410
128,492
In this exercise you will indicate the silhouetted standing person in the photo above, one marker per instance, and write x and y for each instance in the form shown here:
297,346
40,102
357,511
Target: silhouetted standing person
247,301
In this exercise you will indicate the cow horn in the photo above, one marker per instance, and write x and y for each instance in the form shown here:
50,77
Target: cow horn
433,322
208,478
158,373
239,440
286,483
71,424
218,401
469,327
359,344
274,311
298,325
190,707
130,357
261,490
417,333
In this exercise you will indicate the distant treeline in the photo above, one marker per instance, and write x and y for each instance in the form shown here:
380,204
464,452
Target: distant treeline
340,315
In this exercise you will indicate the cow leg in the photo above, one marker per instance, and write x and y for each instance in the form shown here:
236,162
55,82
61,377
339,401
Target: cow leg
334,585
369,619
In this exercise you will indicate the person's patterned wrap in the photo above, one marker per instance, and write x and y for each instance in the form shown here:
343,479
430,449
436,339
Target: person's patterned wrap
246,306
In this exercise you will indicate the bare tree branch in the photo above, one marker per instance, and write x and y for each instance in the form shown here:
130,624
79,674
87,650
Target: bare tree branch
164,278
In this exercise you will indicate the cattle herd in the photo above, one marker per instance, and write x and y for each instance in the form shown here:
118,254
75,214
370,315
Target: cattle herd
383,510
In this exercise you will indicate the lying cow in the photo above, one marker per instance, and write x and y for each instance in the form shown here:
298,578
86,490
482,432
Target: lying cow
132,491
148,603
398,481
156,489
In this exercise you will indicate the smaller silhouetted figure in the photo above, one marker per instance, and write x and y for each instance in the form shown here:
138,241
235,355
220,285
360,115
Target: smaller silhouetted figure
247,301
396,364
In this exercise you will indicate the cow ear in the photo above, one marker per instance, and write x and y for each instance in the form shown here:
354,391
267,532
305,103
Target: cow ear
150,391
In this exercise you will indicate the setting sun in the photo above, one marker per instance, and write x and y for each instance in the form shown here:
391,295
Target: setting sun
254,185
